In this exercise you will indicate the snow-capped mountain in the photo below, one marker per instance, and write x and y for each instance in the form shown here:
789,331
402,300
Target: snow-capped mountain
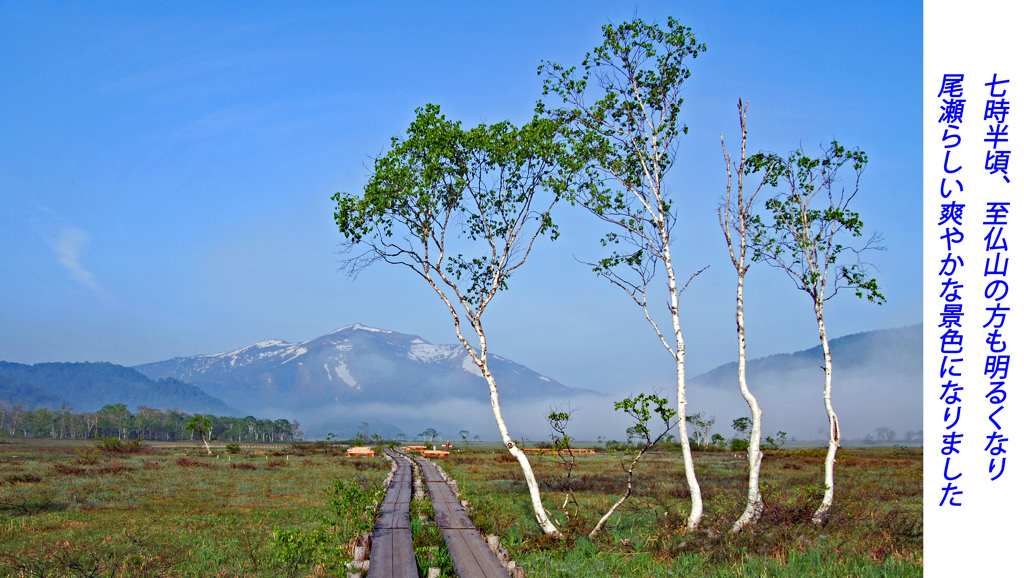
352,365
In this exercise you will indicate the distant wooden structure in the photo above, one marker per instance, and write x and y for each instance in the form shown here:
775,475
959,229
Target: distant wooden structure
361,452
414,448
434,453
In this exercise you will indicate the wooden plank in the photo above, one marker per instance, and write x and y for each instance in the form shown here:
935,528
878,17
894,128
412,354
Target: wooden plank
391,553
451,515
471,557
393,516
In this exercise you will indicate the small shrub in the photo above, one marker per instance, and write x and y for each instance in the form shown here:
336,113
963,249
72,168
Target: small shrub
187,462
119,446
28,478
109,444
739,445
69,470
233,448
242,466
300,549
87,457
276,463
354,506
775,443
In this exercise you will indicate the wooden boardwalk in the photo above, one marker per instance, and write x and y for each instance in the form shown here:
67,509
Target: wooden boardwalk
391,554
471,556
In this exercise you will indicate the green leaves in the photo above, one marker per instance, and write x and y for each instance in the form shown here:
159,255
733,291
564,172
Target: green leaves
809,220
741,425
200,424
442,187
619,112
640,409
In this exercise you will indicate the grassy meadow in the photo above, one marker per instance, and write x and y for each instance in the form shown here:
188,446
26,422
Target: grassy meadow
170,510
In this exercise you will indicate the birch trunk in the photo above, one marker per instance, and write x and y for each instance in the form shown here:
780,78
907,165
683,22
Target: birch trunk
833,421
481,362
696,502
629,491
209,452
531,481
754,504
739,260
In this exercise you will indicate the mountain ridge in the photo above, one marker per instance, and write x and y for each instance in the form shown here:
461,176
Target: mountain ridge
898,350
354,364
88,386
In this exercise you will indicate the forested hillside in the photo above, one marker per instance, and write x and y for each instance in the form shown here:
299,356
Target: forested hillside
27,395
89,386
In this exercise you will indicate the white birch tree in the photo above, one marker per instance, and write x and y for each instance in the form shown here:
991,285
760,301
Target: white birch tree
202,425
639,409
735,218
462,209
810,221
620,111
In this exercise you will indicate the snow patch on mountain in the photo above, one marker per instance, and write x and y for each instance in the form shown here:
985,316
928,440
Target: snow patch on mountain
360,327
266,343
426,353
296,350
470,366
341,370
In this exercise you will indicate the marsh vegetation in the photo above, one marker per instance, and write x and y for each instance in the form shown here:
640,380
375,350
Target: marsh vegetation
71,509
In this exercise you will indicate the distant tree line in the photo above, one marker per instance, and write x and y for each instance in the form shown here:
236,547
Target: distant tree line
116,421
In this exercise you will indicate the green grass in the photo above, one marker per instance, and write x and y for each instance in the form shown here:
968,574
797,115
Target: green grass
175,512
164,512
875,528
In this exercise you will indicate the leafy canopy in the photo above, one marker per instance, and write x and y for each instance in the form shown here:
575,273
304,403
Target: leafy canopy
810,219
639,408
620,110
457,203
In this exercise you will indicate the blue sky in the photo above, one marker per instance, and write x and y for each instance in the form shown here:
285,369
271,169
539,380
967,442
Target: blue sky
166,171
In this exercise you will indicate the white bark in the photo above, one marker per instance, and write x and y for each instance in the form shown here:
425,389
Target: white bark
752,512
754,504
520,455
481,362
696,501
833,421
644,131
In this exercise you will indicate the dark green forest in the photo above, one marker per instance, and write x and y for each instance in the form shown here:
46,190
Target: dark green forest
116,421
90,386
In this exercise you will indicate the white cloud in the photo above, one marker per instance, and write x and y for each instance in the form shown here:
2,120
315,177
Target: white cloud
69,248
